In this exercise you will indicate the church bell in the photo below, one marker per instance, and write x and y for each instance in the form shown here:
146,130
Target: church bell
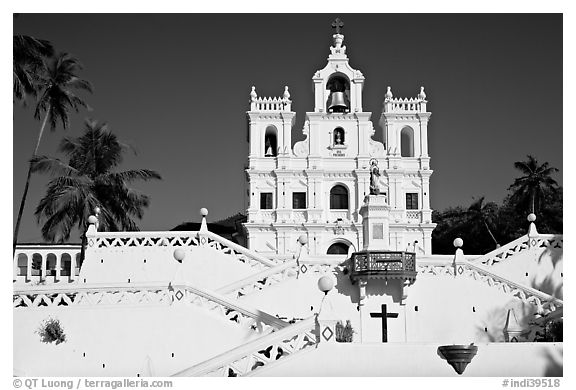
338,103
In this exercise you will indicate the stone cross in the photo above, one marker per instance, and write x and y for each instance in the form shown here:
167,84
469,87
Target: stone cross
384,315
338,25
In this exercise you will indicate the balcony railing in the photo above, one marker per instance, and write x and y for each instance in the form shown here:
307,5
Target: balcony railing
383,264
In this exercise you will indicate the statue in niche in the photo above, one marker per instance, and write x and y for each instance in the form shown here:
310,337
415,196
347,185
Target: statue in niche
374,177
338,137
268,149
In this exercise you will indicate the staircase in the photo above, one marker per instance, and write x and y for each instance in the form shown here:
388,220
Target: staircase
82,295
262,352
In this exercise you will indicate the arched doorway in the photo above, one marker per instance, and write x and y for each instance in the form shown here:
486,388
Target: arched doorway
338,248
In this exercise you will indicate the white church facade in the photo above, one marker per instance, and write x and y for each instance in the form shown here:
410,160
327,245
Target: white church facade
317,187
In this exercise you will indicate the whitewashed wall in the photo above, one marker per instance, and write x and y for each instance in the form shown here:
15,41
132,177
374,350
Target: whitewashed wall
416,360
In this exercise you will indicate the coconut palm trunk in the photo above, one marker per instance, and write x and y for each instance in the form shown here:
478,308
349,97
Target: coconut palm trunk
491,235
27,185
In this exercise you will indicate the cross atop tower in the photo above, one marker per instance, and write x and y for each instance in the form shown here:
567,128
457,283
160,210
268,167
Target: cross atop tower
337,25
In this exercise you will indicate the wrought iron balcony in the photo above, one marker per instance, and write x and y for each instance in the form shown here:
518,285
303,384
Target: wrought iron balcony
383,265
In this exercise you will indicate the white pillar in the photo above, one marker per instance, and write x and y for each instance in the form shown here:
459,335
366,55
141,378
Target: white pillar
15,268
58,266
43,270
72,266
28,267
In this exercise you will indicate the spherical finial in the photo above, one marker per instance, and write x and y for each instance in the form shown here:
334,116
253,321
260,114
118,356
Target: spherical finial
286,93
531,217
179,254
92,220
325,284
203,211
253,94
422,94
303,240
97,210
389,93
458,242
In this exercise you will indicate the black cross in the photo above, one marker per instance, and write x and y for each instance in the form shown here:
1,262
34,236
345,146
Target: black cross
384,315
337,24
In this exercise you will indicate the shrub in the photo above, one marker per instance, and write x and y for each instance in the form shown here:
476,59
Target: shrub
344,334
51,331
551,331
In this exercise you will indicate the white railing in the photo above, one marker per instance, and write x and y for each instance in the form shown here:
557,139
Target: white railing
414,215
46,263
267,216
521,244
145,294
261,280
404,105
168,240
287,270
270,104
299,216
242,254
543,302
265,350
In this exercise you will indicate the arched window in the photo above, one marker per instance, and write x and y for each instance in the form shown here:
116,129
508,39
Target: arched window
339,136
407,142
338,248
65,264
22,264
339,197
271,141
51,264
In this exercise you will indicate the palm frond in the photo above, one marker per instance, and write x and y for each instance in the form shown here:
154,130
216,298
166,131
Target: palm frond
52,166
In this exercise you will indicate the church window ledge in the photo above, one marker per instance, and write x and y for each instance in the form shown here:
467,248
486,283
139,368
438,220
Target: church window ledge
342,147
343,215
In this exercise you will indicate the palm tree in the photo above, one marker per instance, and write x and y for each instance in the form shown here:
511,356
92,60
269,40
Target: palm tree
56,98
535,183
28,63
89,180
483,213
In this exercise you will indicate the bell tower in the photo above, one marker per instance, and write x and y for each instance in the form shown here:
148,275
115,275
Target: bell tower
338,87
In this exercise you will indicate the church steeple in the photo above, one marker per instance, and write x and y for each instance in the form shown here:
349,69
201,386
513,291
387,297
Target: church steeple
338,87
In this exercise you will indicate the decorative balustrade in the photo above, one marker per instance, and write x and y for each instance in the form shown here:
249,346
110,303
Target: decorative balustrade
170,240
521,244
260,281
149,294
45,263
544,303
266,216
299,216
405,105
271,104
414,215
344,215
261,352
383,264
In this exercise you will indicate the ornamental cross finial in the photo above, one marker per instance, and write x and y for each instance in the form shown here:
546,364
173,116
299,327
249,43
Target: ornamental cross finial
338,25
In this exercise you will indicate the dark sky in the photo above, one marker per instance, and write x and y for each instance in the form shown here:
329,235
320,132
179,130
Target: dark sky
176,88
